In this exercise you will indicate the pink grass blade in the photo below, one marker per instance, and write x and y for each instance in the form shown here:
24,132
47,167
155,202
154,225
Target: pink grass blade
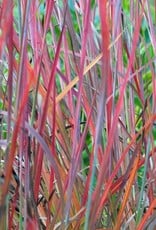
39,157
102,101
22,55
9,163
116,116
10,75
76,135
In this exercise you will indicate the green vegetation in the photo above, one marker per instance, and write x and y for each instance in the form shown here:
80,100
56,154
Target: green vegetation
77,114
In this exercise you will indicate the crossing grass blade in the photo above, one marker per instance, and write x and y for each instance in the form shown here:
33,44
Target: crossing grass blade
77,114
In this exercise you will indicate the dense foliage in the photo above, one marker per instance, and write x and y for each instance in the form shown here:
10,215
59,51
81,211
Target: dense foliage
77,114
